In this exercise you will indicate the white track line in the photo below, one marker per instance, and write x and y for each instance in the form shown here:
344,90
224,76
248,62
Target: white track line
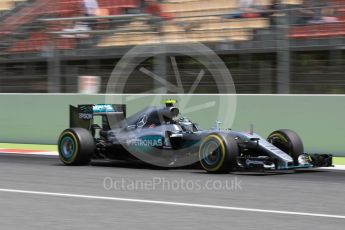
336,167
172,203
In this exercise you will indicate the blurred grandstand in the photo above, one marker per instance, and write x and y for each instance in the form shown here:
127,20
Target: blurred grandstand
285,46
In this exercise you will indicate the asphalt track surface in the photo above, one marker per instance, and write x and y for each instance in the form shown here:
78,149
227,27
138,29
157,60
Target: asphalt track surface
38,192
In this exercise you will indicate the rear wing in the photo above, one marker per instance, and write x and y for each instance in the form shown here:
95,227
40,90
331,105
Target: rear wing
83,115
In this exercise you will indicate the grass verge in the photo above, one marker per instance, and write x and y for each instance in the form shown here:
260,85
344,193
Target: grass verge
48,148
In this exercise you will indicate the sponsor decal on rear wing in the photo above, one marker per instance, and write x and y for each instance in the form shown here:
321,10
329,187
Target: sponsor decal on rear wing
82,116
86,112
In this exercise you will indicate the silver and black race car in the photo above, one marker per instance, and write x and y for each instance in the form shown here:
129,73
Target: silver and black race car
158,136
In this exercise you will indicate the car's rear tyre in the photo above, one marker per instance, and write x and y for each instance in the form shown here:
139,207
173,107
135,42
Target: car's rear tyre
76,146
218,153
288,141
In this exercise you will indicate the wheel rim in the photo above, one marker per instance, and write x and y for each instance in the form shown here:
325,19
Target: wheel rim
211,152
67,147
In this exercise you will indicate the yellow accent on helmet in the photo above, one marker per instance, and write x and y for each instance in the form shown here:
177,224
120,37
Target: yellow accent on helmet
169,101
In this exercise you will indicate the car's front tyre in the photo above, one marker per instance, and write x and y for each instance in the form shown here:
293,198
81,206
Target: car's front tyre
289,142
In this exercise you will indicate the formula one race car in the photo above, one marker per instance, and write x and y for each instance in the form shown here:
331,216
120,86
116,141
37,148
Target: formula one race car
157,135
